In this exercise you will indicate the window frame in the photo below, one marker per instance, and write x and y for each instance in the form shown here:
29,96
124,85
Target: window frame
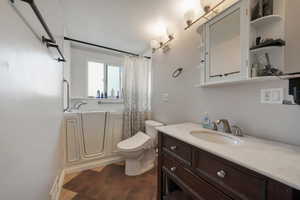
106,65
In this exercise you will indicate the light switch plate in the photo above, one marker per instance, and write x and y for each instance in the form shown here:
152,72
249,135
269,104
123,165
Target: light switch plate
277,95
165,97
272,96
265,96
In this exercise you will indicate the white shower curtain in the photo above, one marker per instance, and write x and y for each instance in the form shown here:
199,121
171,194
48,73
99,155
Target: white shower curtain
136,94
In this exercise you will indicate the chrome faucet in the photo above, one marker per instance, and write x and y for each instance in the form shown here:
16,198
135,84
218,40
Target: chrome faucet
77,105
237,131
226,125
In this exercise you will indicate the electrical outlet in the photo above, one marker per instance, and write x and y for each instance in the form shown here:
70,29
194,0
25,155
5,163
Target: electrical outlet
272,96
277,95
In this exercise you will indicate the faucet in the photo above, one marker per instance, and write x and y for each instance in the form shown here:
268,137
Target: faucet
77,105
237,131
226,125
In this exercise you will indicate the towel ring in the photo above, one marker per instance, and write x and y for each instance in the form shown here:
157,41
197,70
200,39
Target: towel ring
177,72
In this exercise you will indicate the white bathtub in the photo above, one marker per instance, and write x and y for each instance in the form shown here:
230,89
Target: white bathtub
92,136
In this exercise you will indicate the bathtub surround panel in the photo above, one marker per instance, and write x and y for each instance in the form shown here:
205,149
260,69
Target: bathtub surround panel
91,139
93,128
30,105
238,103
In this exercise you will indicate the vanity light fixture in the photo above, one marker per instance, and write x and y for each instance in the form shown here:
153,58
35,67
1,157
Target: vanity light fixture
163,42
208,9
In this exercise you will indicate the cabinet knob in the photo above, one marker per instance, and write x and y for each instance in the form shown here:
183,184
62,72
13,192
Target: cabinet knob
173,148
221,174
173,169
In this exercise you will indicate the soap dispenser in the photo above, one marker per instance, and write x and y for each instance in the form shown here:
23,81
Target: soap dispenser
206,123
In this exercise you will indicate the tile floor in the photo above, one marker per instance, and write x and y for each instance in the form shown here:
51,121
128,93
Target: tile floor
109,183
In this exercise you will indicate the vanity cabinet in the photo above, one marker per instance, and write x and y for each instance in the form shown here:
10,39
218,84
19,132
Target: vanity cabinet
203,176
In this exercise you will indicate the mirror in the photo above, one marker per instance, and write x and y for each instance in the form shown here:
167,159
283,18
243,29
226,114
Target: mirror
224,34
292,35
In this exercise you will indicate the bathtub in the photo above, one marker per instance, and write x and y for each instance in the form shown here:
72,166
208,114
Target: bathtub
91,137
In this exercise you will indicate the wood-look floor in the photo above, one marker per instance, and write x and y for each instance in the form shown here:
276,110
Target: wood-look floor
109,183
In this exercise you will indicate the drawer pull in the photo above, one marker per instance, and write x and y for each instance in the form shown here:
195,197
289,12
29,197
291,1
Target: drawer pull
221,174
173,169
173,148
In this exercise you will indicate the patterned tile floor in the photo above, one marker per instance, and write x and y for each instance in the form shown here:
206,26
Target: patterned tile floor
109,183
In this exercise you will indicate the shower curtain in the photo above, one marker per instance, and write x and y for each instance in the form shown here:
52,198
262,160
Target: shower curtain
136,94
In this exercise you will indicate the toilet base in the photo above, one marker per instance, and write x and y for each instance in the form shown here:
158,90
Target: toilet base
135,167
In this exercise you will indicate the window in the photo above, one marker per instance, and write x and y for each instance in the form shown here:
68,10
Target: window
104,78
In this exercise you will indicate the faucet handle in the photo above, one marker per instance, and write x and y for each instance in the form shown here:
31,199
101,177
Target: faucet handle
237,131
214,126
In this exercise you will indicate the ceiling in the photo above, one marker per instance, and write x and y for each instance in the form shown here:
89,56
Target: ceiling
123,24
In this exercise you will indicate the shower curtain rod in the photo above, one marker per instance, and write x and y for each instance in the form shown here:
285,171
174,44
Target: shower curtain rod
103,47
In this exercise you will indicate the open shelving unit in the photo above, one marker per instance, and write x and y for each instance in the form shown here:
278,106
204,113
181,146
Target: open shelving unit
266,20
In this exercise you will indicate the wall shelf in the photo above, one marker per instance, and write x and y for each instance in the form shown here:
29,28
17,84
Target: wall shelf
248,80
264,49
266,20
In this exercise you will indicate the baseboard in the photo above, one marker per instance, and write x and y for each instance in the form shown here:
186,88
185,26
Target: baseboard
57,186
93,164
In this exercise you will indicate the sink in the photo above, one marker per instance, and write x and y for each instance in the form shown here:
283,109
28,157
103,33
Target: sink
216,137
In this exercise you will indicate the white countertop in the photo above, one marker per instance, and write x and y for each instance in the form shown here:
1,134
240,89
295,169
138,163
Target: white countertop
276,160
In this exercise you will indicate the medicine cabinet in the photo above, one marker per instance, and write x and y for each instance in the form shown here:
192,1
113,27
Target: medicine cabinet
233,42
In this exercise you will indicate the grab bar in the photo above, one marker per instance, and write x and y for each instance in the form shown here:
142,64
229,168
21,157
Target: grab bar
51,41
68,95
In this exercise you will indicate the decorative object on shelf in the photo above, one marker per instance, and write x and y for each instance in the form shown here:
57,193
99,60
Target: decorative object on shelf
50,41
268,70
177,72
261,8
267,7
208,8
256,9
268,43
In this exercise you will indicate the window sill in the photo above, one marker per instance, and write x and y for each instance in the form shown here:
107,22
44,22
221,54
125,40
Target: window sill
100,101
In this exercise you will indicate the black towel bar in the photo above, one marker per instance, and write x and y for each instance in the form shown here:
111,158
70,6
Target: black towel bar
50,42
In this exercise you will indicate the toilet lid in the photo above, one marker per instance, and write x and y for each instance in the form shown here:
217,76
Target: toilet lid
134,143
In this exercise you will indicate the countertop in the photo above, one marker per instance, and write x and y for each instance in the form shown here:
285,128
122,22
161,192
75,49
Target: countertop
275,160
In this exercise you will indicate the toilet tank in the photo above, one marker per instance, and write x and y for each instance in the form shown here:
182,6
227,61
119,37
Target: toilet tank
151,131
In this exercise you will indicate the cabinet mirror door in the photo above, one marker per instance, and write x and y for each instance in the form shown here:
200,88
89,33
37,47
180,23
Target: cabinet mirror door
292,34
224,45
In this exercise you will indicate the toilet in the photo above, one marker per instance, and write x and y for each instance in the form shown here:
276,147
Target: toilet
139,150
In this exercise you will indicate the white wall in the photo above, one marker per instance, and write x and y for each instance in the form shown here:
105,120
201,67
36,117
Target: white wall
239,103
30,105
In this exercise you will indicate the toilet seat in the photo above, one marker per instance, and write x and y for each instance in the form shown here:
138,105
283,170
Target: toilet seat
134,143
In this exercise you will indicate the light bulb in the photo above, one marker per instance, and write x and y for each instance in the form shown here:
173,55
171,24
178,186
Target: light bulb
207,4
154,44
189,16
170,32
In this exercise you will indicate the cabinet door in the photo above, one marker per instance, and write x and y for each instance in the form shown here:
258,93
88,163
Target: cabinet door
225,43
72,140
93,133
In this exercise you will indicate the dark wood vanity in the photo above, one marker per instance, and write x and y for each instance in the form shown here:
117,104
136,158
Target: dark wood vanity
186,172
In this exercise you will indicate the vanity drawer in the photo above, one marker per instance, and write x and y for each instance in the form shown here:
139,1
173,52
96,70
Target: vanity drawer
178,149
242,184
199,188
